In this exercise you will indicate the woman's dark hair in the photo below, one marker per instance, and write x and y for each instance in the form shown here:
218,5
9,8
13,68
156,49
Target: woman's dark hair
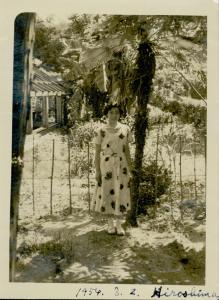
110,106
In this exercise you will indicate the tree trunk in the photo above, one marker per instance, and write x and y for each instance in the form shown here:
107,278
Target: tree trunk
23,47
142,84
140,127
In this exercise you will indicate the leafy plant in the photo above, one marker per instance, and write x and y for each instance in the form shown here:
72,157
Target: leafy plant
84,132
155,181
80,163
187,113
48,45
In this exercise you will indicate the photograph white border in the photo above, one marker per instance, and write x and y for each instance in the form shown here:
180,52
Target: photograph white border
8,12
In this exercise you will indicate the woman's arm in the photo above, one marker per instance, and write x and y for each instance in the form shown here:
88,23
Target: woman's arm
128,158
97,163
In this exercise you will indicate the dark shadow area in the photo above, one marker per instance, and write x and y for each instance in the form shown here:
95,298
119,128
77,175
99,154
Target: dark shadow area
95,256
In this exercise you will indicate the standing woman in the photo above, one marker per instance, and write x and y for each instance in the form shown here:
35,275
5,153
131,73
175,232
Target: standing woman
113,170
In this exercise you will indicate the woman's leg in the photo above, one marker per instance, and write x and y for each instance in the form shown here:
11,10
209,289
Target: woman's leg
111,226
119,229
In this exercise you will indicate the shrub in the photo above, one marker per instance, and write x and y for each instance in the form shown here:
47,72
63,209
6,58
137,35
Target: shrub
173,107
156,116
79,158
188,113
84,132
155,181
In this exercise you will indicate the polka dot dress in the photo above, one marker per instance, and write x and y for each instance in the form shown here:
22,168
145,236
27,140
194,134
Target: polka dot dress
112,196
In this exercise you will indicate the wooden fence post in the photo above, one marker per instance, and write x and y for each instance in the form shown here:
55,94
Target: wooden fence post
156,158
33,179
180,174
195,179
88,175
205,141
170,188
69,176
51,186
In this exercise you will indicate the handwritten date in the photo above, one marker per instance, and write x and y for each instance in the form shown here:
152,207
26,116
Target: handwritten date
84,292
89,292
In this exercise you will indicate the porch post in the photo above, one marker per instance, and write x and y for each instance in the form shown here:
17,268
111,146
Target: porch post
58,109
30,119
45,111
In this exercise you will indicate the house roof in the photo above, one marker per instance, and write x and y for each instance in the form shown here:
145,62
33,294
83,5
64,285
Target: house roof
45,83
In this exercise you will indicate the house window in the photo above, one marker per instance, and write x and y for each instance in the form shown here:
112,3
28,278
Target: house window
52,110
37,109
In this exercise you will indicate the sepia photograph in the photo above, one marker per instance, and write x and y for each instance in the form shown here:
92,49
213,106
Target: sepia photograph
109,158
109,149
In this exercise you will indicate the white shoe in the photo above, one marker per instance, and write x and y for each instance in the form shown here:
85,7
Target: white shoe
119,229
111,228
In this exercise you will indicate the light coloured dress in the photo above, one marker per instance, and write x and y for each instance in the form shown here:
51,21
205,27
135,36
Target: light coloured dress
112,197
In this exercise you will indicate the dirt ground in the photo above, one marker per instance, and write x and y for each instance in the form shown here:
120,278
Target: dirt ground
76,248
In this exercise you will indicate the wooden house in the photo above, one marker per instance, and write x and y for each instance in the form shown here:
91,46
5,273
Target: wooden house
47,96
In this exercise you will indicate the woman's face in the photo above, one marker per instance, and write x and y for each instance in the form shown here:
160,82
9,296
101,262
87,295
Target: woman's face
113,114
